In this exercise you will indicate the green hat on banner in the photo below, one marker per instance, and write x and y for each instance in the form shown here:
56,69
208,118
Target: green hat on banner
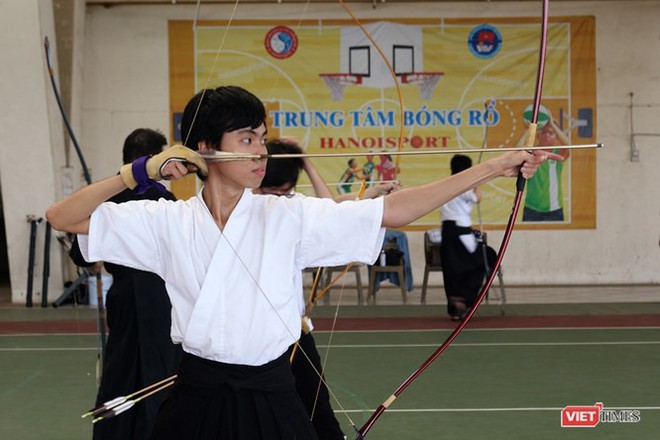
544,115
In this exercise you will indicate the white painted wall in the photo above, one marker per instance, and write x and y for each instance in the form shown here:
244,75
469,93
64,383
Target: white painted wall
30,141
125,85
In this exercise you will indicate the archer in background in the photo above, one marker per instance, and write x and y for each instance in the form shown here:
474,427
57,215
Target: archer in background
464,261
139,351
544,198
280,180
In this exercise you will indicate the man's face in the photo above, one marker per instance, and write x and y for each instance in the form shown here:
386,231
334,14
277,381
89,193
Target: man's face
245,173
547,136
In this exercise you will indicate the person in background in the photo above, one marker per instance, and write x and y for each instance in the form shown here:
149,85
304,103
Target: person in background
280,180
464,261
139,351
282,175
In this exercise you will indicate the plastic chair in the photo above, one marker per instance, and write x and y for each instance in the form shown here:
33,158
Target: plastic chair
355,268
432,259
398,269
393,240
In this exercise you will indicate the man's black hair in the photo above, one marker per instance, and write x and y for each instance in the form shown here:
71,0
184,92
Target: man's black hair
142,142
460,162
281,172
224,109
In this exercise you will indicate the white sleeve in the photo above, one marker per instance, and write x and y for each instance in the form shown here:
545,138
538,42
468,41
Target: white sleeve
334,234
123,234
471,196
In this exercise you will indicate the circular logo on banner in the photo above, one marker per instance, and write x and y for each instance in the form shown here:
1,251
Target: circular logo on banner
281,42
485,41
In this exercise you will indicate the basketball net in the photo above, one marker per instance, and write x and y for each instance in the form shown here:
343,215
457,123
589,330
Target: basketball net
337,82
425,82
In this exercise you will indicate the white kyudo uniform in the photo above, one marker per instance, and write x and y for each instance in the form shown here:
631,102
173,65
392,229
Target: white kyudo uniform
219,306
459,210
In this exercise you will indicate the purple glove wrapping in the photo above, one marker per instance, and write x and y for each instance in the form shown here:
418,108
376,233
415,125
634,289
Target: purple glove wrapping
139,169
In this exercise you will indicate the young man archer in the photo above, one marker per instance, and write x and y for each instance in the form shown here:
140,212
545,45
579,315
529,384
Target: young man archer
231,262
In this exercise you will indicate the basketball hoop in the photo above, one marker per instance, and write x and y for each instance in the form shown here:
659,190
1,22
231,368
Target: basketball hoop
426,81
337,81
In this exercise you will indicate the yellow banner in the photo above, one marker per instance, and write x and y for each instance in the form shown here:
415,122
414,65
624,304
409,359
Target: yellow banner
465,84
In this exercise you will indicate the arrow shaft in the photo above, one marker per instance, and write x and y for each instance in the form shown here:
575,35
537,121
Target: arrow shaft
220,156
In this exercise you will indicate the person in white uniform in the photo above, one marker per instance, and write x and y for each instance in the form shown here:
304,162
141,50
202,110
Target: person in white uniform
462,252
232,260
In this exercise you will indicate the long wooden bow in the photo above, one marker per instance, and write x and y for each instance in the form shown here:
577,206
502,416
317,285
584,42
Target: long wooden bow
520,185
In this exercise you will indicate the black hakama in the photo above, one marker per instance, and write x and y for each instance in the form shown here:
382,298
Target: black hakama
313,391
213,400
139,350
463,272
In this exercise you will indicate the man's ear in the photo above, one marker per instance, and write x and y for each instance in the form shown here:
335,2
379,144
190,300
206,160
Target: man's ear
203,147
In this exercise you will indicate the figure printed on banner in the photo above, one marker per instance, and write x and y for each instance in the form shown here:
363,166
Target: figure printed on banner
544,198
387,169
351,173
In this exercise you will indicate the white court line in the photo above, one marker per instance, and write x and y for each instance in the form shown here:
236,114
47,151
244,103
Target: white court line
51,349
15,335
477,344
494,344
448,330
436,330
455,410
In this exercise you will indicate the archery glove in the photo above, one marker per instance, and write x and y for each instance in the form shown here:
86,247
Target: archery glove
145,170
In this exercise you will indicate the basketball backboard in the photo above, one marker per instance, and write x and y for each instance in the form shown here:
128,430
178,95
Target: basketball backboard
402,45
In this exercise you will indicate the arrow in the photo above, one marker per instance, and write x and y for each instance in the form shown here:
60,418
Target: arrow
225,156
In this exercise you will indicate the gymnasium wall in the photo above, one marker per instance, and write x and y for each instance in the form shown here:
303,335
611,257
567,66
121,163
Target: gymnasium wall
125,84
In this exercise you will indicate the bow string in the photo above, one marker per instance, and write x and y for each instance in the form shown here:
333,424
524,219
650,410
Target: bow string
239,258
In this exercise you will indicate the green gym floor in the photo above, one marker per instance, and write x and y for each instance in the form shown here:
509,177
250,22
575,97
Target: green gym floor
505,377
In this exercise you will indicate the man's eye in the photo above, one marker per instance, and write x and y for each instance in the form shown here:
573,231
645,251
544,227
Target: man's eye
246,140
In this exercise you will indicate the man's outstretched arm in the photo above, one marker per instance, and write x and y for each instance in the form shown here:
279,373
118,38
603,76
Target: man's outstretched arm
72,213
405,206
